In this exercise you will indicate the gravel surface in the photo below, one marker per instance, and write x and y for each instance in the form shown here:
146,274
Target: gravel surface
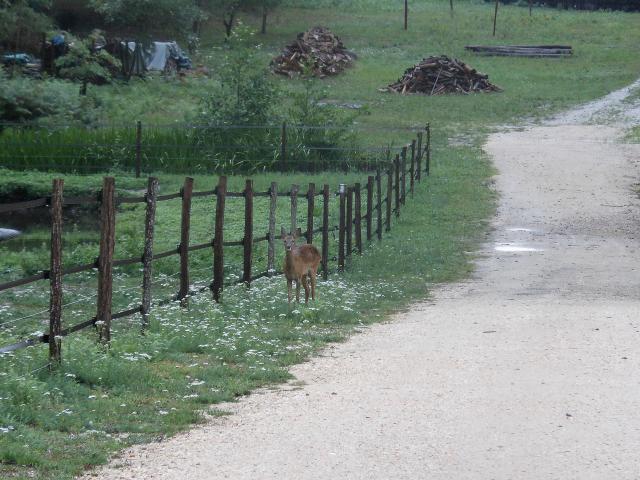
526,371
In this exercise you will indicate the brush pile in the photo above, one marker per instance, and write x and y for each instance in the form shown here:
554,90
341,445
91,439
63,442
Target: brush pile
442,75
317,51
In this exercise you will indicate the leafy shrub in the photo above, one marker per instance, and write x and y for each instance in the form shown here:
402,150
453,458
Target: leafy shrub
245,96
45,102
86,64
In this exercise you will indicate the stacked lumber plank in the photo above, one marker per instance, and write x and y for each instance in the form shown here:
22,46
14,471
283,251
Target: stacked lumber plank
442,75
552,51
317,51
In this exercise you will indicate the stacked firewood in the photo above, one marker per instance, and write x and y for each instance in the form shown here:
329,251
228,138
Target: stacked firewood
441,75
317,52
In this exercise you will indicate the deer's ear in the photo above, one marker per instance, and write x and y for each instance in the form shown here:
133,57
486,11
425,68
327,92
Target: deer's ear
298,232
283,232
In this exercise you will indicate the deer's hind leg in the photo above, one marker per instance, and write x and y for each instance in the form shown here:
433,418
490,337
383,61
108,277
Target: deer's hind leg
313,275
305,284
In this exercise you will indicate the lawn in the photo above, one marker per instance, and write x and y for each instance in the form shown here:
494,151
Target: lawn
53,425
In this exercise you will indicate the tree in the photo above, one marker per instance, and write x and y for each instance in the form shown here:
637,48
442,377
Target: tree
267,6
22,23
228,10
86,64
149,16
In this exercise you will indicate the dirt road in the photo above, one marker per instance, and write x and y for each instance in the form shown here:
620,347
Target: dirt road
527,371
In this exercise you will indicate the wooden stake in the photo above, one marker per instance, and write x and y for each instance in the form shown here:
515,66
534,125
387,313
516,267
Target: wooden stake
55,275
428,149
358,216
310,207
397,180
341,228
248,231
370,180
325,231
185,226
105,259
273,204
147,256
379,202
412,168
403,175
283,146
419,158
218,250
138,148
406,14
294,209
349,220
495,18
389,195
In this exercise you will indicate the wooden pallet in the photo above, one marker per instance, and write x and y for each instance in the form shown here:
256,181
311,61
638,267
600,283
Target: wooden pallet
552,51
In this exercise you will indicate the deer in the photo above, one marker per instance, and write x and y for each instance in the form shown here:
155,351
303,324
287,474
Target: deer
300,264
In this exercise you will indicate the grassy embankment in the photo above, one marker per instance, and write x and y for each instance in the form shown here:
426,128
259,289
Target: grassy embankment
145,387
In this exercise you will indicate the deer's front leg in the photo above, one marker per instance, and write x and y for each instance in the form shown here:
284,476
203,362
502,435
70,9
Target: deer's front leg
298,290
289,290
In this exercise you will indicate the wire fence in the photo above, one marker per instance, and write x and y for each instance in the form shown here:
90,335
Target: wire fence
190,148
364,212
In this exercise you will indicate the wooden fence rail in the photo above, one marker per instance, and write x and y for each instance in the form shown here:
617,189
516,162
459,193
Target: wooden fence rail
349,230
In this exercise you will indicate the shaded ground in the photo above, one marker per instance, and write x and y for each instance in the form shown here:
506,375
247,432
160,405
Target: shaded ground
526,371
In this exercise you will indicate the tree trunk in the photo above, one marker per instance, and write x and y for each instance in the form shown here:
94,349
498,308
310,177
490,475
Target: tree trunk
228,24
265,12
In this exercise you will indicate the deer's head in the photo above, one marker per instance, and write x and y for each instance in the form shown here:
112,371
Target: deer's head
289,239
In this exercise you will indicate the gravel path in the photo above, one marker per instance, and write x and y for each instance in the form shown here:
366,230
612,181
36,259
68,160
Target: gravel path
527,371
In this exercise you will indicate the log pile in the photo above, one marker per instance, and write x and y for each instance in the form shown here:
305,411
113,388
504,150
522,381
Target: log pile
549,51
317,51
442,75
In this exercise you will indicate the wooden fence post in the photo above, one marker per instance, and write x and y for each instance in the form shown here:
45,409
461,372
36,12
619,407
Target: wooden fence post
379,202
389,195
406,14
310,207
283,146
369,214
105,259
341,232
147,256
218,240
349,222
247,241
419,158
403,174
325,232
273,204
185,226
358,216
138,148
55,275
412,168
428,149
294,209
397,179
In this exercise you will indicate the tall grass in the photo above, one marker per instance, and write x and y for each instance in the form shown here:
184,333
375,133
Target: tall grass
183,148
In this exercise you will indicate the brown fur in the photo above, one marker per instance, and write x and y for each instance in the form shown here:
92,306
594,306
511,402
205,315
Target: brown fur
300,264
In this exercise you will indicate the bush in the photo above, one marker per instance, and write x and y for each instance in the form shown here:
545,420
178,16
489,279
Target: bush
244,96
50,102
86,64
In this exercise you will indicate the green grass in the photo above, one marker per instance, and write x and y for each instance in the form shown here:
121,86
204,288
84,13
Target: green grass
150,386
